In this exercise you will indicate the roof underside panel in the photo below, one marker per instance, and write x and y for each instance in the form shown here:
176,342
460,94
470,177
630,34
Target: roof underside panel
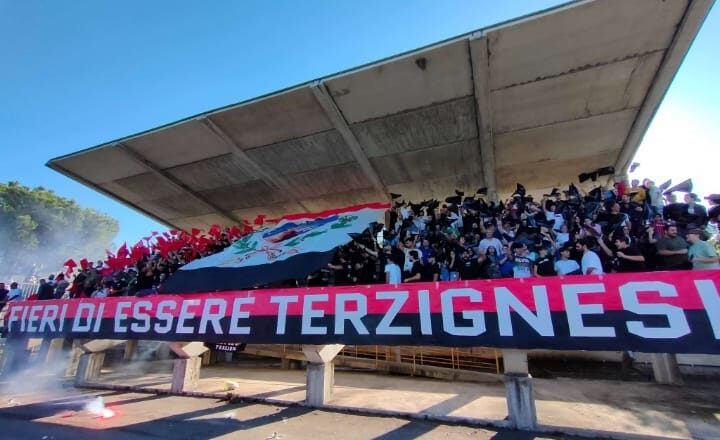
551,95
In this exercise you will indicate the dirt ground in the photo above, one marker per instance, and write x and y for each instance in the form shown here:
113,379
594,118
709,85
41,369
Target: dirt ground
599,407
142,416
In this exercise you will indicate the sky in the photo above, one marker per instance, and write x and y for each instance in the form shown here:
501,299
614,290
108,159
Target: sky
78,74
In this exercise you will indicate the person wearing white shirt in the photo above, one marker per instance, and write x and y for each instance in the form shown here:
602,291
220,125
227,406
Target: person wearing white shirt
565,265
490,241
410,246
563,236
393,275
15,292
552,215
590,263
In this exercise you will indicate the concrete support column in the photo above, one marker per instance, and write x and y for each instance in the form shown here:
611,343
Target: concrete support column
206,358
519,391
320,377
163,352
665,369
15,355
89,368
92,358
320,382
55,351
290,364
75,353
186,374
43,351
186,369
131,348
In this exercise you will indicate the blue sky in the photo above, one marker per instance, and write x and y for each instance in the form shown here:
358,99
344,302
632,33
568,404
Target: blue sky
79,73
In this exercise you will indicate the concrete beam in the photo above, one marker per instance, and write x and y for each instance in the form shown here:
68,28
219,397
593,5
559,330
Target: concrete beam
515,361
685,34
319,354
480,69
187,350
175,183
98,345
322,94
101,190
269,178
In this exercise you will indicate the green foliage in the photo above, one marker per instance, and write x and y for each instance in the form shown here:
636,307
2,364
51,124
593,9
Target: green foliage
39,228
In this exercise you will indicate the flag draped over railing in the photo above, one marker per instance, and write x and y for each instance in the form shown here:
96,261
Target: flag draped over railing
296,246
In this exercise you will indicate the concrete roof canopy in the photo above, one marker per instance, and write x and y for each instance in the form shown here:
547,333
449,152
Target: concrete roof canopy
535,100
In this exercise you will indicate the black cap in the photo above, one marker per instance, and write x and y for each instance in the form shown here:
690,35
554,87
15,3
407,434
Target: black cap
714,212
714,198
519,190
416,209
573,191
583,177
459,193
482,190
394,196
355,235
454,199
665,185
596,194
606,171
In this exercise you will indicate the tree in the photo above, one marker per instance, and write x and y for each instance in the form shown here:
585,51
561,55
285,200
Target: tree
40,230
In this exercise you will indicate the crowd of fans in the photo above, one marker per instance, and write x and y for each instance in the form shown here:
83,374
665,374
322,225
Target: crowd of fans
619,228
615,229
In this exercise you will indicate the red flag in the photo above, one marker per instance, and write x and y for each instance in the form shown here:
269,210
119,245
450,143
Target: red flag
138,252
260,219
215,231
123,252
235,232
195,232
71,265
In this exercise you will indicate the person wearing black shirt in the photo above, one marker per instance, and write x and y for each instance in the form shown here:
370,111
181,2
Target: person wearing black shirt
544,265
416,271
431,271
3,296
469,266
45,290
627,257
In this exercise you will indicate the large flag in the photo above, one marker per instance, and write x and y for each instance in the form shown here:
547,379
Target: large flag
296,246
